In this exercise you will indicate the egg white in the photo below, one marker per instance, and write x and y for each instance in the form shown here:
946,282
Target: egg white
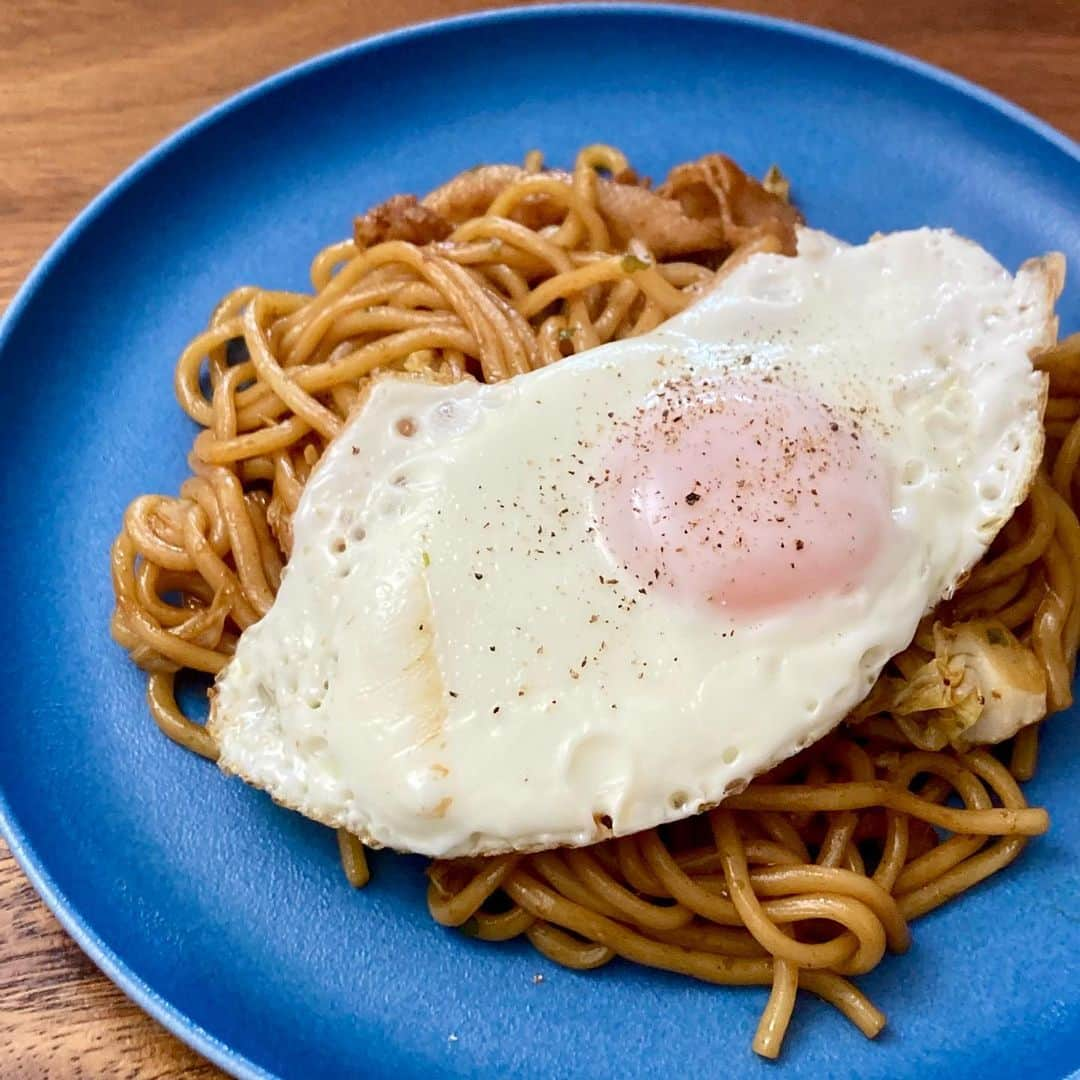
455,665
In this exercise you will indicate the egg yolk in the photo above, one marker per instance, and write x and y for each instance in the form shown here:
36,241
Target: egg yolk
748,496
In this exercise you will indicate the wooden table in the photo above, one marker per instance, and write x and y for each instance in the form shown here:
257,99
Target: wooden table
86,86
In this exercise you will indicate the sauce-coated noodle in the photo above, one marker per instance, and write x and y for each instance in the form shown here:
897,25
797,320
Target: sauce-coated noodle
811,873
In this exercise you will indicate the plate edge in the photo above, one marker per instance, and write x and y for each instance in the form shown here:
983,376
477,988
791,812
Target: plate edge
136,989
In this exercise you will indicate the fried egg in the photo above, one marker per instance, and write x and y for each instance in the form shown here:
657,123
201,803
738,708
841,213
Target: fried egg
606,594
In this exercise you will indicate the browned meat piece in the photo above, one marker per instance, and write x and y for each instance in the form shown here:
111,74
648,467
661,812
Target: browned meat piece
705,205
402,217
715,187
469,194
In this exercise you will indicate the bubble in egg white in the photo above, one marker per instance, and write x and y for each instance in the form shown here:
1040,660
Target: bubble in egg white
944,429
596,762
873,658
913,473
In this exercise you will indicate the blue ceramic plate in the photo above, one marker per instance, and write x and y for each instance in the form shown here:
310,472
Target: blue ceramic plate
228,918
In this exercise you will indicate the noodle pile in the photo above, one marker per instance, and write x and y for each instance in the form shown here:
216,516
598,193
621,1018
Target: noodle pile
808,876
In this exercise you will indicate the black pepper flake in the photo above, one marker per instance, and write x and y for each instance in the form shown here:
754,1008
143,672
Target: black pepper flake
479,577
692,497
495,711
799,545
452,693
356,449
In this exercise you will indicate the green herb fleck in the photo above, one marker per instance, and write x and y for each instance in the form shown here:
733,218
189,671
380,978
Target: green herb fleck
631,264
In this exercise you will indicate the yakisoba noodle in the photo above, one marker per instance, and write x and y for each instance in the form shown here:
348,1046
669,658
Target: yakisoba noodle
812,873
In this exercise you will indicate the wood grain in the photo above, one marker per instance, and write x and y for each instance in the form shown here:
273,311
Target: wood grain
86,86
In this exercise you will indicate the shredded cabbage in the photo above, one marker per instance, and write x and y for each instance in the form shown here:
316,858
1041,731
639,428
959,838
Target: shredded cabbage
960,686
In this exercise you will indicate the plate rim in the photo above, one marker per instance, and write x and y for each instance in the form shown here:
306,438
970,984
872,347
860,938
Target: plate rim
145,996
